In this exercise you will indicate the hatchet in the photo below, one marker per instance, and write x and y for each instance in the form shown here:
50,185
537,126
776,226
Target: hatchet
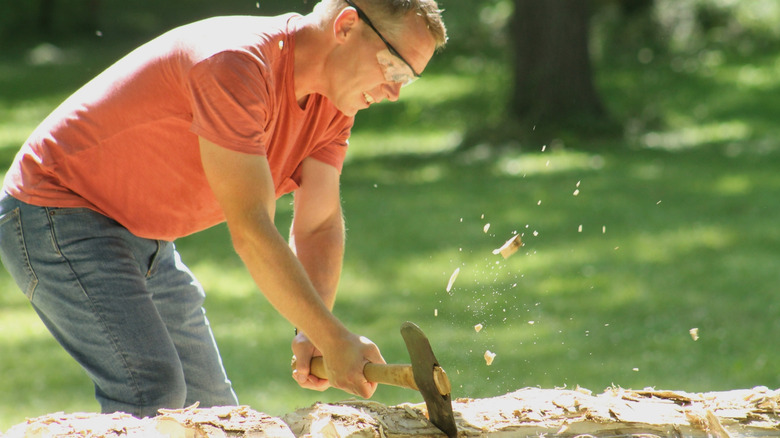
423,374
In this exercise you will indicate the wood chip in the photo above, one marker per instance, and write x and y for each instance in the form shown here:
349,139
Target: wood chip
489,356
452,279
477,328
694,333
510,246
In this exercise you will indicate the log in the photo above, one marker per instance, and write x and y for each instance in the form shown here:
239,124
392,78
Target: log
530,412
191,422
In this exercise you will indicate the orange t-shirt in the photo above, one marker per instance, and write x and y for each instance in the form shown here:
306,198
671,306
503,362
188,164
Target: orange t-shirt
126,144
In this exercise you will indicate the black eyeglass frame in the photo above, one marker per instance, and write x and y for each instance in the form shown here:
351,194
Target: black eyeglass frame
362,15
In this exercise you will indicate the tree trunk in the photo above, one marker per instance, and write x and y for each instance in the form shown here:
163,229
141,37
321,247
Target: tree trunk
526,412
86,17
553,82
45,17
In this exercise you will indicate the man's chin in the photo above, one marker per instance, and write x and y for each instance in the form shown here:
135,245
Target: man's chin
349,111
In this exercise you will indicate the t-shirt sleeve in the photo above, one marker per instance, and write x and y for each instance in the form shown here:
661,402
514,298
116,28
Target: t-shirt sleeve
230,100
334,151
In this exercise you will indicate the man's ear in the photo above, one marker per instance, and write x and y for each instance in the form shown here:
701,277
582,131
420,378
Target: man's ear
345,23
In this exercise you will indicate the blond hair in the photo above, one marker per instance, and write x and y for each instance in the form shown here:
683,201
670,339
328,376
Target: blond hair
386,14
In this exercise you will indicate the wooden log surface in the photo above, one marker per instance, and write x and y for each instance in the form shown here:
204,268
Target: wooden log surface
528,412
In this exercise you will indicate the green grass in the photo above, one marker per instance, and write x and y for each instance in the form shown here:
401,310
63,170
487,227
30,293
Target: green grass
673,227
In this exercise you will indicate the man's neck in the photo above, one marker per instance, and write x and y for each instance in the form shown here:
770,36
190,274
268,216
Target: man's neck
310,53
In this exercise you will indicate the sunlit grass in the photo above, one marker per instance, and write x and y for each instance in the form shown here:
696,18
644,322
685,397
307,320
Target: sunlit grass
532,163
18,120
367,144
437,89
694,136
229,283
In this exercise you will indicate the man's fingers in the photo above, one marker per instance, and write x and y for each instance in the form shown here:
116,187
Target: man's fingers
300,376
367,389
301,371
303,352
356,384
312,382
371,351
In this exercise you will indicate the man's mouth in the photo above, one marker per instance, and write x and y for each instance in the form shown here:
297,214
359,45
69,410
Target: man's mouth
369,98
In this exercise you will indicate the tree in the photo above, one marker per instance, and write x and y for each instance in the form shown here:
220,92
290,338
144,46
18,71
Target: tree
553,83
83,16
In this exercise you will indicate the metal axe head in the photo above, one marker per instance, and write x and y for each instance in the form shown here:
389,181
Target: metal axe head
423,364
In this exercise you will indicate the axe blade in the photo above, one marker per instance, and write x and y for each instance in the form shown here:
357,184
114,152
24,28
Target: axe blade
423,363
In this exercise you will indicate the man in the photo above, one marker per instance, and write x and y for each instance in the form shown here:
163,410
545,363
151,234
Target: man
210,122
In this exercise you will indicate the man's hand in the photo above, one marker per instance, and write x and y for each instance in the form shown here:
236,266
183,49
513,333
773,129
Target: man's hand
304,351
344,366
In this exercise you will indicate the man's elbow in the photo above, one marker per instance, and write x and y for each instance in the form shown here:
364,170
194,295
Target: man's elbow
332,229
250,236
241,242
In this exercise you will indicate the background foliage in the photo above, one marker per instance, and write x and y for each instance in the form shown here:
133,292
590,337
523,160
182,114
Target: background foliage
631,239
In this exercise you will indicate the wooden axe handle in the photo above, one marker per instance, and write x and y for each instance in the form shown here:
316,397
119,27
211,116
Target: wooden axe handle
388,374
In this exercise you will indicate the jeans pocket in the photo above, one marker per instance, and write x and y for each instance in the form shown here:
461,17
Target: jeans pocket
13,252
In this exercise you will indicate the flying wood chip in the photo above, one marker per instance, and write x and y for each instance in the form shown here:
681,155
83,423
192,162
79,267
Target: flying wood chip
452,279
510,247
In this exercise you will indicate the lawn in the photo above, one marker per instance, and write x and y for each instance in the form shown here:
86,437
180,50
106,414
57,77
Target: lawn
630,242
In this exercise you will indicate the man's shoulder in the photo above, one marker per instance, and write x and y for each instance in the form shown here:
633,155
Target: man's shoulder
256,36
227,28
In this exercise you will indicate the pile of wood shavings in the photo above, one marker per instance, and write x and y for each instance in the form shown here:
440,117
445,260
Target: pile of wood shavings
222,421
83,425
525,412
623,412
191,422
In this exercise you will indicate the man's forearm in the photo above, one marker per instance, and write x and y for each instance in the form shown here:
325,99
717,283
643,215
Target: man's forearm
284,282
249,215
321,252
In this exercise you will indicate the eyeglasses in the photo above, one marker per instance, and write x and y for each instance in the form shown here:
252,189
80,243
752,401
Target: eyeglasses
394,66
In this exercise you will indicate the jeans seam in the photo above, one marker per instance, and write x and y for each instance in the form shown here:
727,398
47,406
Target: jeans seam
155,260
52,234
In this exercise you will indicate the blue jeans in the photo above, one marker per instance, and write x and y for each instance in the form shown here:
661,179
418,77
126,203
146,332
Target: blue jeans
126,308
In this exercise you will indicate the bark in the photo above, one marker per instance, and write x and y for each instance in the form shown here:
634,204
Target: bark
45,15
526,412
